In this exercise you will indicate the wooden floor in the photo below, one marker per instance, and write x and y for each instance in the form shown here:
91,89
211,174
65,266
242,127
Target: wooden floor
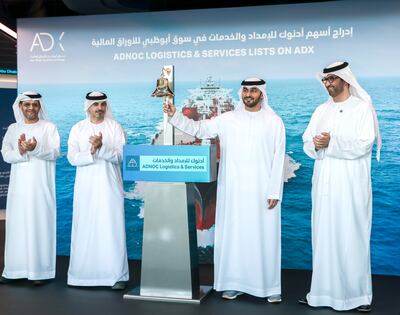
56,298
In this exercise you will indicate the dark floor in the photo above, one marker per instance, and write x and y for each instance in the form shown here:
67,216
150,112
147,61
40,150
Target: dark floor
55,298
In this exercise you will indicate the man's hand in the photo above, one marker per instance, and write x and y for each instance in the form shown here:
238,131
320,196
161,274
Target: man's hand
30,145
21,147
26,145
96,142
322,141
169,109
272,203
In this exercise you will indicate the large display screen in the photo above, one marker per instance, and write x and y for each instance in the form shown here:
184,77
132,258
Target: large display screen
212,51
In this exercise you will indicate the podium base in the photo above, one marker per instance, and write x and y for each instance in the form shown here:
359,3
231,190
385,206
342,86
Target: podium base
135,295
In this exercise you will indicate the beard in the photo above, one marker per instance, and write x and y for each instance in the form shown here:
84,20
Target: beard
31,115
335,90
251,102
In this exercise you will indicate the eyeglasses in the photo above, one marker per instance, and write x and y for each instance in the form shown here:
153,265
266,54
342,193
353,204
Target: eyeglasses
329,79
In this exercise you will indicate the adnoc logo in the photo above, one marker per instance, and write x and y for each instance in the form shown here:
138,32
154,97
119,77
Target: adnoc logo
133,163
47,47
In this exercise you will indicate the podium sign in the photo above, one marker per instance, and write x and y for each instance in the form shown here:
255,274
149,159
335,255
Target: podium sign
169,254
168,163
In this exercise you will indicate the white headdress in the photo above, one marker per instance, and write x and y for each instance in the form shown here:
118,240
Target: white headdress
93,97
343,71
29,95
255,83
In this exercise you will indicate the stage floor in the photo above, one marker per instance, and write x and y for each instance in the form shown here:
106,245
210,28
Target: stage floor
56,298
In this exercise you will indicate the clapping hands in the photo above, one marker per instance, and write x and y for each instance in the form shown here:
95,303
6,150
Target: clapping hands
322,141
26,145
96,142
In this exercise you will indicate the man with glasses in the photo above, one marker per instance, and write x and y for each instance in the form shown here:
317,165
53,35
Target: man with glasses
340,137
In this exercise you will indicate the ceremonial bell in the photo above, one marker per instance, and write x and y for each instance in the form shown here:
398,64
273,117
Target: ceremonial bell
162,87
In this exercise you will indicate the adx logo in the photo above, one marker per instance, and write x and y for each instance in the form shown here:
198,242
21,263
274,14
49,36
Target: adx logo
46,42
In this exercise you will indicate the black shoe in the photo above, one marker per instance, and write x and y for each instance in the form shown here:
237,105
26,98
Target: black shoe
364,308
119,285
39,282
303,300
4,280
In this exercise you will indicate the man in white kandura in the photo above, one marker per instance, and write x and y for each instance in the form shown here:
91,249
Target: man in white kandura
340,137
31,145
98,242
247,248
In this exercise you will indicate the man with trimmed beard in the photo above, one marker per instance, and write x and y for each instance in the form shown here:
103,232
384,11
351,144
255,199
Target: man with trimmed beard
31,146
340,137
247,250
98,244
